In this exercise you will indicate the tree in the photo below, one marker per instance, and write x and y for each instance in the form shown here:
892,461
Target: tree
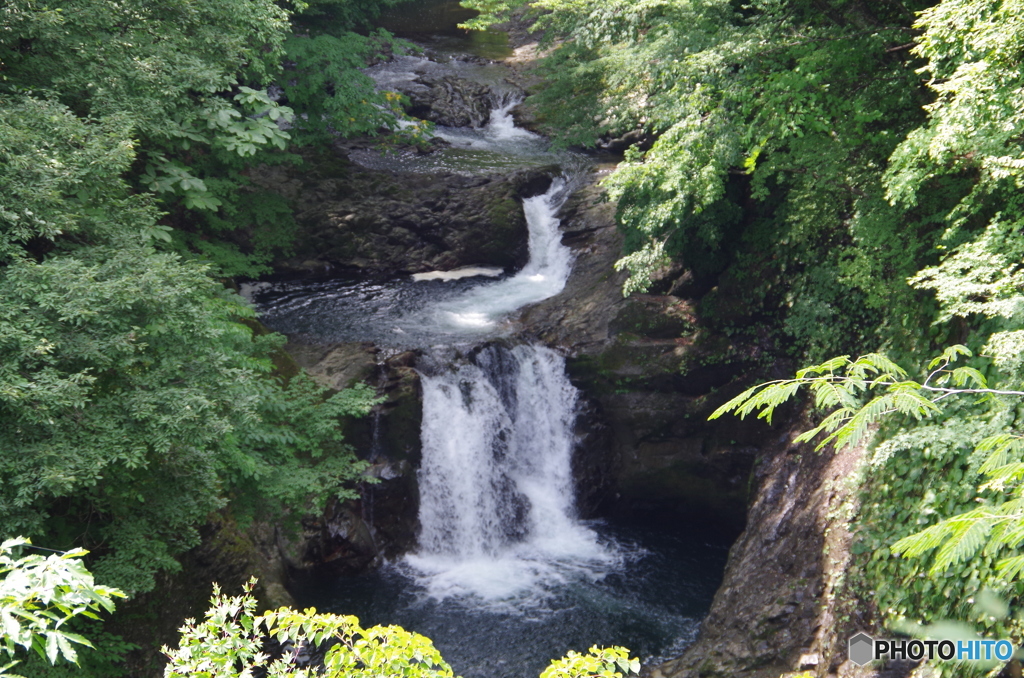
133,401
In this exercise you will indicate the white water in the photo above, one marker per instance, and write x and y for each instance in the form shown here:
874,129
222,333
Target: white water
543,276
496,491
496,495
499,135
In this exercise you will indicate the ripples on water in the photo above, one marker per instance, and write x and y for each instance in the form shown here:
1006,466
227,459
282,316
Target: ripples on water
407,313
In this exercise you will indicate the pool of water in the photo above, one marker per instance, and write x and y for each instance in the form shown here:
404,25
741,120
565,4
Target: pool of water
434,23
649,596
505,577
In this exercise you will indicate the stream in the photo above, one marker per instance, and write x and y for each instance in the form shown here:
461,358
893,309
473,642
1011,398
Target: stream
505,576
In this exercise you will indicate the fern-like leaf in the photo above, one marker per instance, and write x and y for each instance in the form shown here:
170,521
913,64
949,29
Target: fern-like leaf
1001,449
950,355
968,376
919,543
826,368
970,531
1010,568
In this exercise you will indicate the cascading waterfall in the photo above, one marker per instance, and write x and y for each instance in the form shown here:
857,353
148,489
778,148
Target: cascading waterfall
496,490
505,577
543,276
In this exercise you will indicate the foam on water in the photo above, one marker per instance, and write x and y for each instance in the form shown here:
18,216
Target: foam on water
505,576
544,275
496,494
438,308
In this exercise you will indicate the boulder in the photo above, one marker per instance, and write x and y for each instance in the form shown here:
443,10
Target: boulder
450,101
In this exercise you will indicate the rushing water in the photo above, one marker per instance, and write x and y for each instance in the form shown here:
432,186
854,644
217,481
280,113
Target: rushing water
505,577
413,313
496,488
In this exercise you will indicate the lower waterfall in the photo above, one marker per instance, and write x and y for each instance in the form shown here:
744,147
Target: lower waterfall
496,487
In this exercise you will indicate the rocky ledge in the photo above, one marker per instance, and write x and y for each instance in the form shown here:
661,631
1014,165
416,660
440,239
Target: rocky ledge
375,223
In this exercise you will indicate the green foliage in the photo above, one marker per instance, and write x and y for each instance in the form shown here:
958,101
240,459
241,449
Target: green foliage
39,595
184,87
608,662
953,509
771,125
491,12
841,385
229,643
326,63
132,401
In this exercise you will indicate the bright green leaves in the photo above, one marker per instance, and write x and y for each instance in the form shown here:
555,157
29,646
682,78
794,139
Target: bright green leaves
146,61
491,12
608,662
995,528
843,384
38,596
132,401
229,644
974,50
124,374
222,126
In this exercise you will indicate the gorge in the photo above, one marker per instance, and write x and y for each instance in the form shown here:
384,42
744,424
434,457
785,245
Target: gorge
433,331
503,575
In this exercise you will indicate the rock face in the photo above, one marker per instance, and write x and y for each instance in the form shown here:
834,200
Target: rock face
775,611
650,376
351,536
383,224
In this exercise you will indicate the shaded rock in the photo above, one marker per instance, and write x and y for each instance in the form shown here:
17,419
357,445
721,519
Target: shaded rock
639,138
339,542
336,366
646,449
775,611
384,224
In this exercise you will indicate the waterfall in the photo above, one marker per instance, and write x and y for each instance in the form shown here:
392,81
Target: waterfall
543,276
496,492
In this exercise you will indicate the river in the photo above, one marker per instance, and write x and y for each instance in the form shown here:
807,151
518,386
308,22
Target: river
505,576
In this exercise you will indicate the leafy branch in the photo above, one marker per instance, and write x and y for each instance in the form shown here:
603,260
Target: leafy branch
38,595
229,643
844,383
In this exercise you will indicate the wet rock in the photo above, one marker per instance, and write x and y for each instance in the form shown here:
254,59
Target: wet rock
337,543
639,138
774,612
450,101
646,448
